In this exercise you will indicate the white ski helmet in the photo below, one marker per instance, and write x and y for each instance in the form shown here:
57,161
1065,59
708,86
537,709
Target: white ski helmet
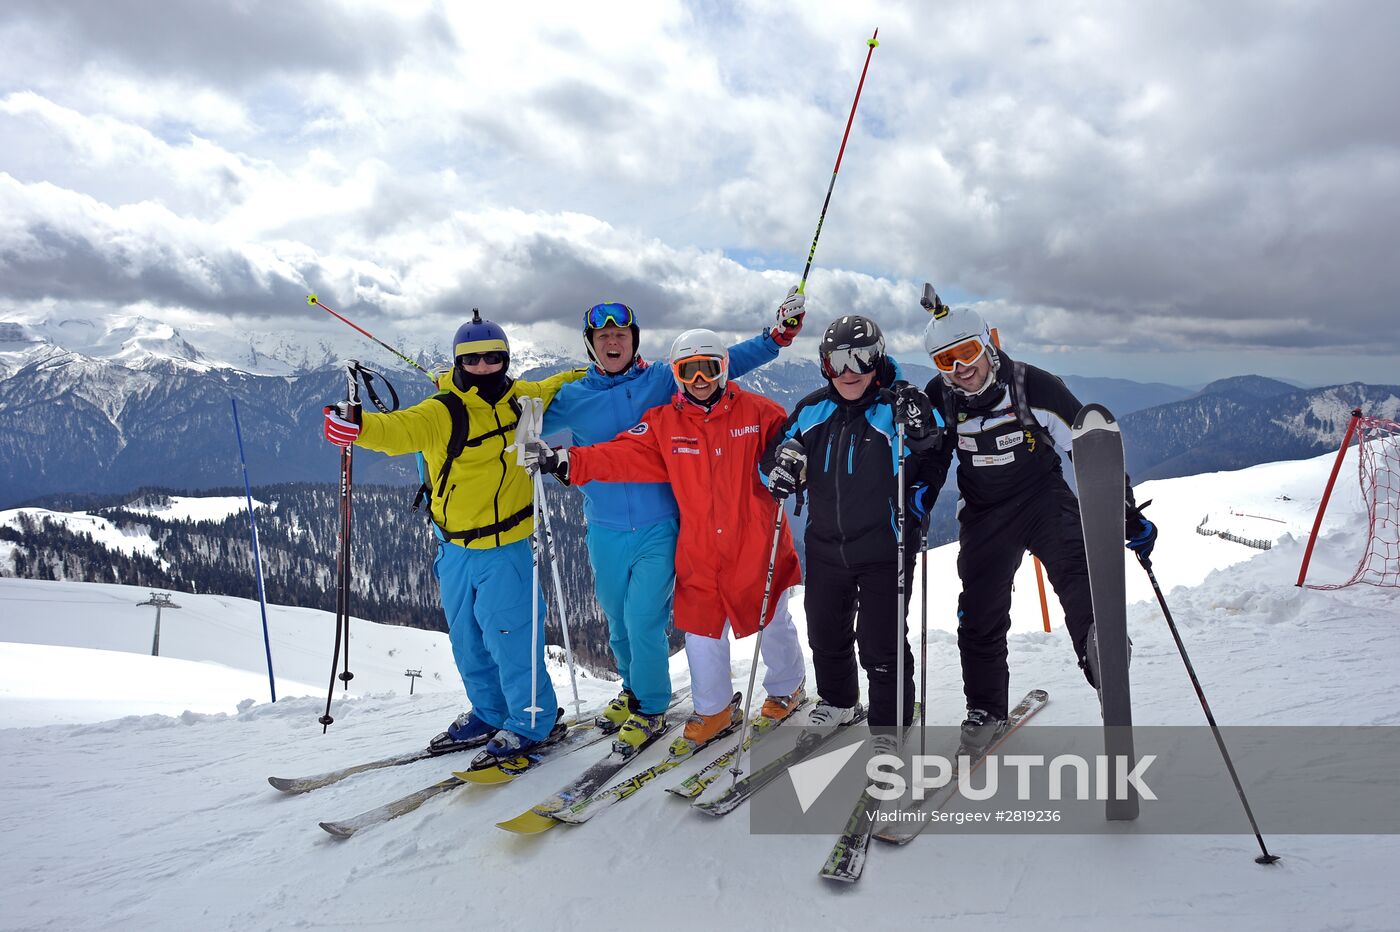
699,345
956,325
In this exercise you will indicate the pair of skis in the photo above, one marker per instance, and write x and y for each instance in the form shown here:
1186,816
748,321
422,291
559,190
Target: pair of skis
847,859
572,739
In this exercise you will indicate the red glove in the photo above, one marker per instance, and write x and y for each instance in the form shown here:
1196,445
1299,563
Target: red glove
790,314
340,429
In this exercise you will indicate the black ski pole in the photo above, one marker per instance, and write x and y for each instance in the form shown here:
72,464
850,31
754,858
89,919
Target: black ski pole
901,637
923,644
342,566
1266,857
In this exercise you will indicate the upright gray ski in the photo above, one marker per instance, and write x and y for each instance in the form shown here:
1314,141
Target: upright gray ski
1098,471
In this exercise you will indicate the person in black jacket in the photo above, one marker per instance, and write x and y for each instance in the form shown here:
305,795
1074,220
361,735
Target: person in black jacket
1013,498
838,445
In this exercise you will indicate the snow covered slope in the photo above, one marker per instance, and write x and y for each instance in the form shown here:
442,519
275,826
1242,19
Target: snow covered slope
160,822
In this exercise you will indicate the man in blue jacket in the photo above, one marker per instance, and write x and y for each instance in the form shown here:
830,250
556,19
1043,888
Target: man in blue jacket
632,526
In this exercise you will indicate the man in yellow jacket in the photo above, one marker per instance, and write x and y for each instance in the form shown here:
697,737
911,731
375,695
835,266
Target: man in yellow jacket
482,506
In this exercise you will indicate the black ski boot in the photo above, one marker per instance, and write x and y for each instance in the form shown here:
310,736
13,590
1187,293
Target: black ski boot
1090,658
979,731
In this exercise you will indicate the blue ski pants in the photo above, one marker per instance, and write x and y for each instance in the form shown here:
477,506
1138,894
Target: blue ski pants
486,597
634,577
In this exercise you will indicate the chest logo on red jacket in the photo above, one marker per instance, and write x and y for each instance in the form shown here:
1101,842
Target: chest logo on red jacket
742,431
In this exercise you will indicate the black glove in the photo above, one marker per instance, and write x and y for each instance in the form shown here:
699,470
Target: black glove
912,409
1140,533
789,471
553,460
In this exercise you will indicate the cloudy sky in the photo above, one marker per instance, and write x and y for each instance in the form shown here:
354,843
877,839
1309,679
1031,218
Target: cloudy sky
1168,192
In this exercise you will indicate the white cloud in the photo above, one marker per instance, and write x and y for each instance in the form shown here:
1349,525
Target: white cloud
1096,176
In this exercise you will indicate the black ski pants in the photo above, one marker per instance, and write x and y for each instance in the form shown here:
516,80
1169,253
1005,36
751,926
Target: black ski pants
991,544
856,606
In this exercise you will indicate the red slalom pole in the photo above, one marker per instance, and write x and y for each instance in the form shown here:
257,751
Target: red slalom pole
870,43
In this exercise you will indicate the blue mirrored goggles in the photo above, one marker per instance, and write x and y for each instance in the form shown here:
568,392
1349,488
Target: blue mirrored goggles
600,315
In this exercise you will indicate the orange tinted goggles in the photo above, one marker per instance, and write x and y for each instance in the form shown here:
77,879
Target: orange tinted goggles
966,352
694,367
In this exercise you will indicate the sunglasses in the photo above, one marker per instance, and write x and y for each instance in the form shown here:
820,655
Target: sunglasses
600,315
966,352
861,360
691,368
491,358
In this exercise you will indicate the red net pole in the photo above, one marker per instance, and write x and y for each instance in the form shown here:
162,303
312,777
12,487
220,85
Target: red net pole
1327,493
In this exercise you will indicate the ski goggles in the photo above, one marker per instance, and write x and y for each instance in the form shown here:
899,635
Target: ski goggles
861,360
688,370
965,352
600,315
490,358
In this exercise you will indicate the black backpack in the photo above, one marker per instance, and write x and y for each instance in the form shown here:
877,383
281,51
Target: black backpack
461,439
1019,405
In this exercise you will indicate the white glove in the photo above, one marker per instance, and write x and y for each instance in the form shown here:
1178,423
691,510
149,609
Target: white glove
789,322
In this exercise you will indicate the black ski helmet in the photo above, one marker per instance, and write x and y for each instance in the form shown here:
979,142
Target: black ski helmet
851,342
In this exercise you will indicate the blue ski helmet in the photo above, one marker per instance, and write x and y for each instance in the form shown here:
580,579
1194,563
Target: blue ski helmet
479,336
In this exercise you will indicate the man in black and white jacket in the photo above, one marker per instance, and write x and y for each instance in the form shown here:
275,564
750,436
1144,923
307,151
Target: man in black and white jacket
1006,420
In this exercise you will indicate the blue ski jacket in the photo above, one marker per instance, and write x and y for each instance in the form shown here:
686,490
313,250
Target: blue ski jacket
598,407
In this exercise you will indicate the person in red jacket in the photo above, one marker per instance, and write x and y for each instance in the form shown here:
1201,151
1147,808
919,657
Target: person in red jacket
706,442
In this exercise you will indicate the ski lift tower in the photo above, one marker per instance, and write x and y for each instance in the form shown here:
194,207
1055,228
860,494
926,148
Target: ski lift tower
160,600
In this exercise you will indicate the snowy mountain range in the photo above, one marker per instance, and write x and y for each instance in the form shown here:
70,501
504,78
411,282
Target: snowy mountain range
89,407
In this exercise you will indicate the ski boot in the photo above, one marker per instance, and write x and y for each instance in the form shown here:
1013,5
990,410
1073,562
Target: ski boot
979,731
826,715
617,711
702,729
778,708
1088,661
466,731
506,745
637,730
884,744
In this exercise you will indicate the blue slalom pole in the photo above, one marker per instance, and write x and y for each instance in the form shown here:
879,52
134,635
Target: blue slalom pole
257,559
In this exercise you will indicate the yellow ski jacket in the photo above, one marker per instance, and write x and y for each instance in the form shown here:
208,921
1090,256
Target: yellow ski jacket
487,500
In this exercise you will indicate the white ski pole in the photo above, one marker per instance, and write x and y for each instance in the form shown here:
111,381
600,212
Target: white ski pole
758,641
553,556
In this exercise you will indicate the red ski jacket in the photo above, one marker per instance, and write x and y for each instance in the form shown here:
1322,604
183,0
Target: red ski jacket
726,528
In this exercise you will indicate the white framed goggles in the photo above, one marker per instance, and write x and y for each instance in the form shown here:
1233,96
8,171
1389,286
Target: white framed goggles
966,352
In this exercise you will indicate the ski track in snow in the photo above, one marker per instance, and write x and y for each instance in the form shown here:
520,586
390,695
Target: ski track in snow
167,822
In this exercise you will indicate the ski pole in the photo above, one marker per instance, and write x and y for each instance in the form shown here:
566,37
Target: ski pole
923,645
758,642
314,301
342,598
257,558
1266,857
900,638
802,285
534,707
553,556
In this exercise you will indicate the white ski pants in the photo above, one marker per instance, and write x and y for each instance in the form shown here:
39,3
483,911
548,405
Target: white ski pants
711,681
